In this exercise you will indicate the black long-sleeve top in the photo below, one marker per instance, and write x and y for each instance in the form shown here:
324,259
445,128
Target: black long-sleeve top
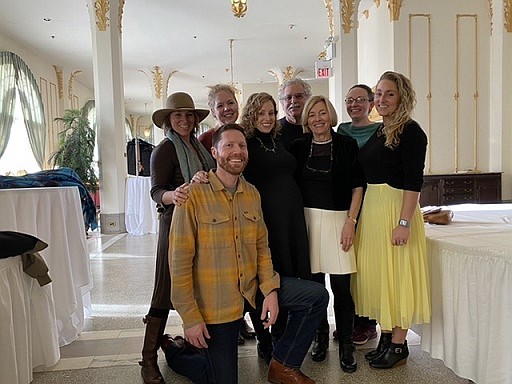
346,172
401,167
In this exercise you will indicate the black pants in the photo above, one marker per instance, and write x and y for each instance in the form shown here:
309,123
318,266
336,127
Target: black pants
343,306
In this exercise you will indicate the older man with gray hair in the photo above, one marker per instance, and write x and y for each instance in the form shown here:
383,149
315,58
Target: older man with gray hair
293,95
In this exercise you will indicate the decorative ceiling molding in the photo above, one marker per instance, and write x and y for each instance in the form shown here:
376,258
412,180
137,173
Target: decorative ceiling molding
507,14
330,16
156,78
394,9
347,12
158,81
288,74
60,80
366,13
120,9
377,2
101,9
70,83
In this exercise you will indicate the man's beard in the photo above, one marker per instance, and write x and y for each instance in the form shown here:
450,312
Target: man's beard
226,166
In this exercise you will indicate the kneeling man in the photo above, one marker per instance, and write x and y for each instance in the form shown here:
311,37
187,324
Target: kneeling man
220,261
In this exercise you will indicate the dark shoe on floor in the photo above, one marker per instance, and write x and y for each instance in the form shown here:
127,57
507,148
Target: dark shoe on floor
280,374
394,356
363,334
320,345
241,340
348,361
246,331
335,335
384,343
265,352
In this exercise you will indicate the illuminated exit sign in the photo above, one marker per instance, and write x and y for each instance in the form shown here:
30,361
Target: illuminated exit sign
323,69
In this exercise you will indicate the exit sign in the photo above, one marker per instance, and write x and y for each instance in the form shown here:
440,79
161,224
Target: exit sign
323,69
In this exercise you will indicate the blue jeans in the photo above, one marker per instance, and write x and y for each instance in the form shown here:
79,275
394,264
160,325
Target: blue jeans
223,351
306,302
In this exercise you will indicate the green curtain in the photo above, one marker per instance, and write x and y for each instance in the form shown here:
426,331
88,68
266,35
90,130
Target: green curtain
7,97
32,107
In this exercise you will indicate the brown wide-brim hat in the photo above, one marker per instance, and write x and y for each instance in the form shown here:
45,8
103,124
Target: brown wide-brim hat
179,101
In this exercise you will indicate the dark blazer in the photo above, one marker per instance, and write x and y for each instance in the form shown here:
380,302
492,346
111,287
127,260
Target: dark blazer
346,171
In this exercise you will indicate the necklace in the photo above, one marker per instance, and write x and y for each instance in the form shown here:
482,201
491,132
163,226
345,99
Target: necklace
312,169
322,142
267,149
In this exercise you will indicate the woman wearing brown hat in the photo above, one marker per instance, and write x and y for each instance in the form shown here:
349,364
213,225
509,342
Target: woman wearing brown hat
174,162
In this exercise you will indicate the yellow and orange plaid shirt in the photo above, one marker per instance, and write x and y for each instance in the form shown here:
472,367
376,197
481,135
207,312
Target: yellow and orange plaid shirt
218,253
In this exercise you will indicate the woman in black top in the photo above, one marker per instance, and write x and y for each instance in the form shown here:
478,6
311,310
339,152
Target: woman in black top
270,169
331,182
392,284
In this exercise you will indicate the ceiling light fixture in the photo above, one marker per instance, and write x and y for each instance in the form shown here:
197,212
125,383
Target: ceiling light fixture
239,8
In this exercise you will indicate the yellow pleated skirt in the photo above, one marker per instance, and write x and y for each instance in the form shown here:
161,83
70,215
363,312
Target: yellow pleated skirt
392,283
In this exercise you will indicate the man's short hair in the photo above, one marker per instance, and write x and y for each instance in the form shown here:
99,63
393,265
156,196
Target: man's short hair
223,128
294,81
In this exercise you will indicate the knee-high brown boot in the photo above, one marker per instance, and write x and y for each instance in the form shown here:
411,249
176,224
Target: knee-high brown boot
152,339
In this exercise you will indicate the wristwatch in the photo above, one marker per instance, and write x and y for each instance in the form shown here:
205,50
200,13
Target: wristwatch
404,223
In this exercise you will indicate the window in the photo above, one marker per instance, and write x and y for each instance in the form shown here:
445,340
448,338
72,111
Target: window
18,157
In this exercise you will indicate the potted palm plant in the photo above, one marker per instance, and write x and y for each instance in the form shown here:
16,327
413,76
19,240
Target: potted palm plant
76,146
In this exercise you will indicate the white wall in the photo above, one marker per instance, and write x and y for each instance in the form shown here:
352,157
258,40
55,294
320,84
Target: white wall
448,58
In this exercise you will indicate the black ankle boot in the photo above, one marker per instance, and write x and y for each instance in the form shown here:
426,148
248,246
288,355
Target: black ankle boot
384,343
395,355
320,345
348,358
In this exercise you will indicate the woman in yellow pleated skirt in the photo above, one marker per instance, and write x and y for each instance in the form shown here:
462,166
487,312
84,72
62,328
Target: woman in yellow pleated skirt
392,280
392,283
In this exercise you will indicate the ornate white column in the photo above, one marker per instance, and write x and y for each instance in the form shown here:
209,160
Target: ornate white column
343,19
105,17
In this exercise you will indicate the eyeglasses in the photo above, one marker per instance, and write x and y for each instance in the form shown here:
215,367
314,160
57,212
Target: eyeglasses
298,97
357,100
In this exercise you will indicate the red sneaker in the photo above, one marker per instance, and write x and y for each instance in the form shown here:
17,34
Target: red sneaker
362,334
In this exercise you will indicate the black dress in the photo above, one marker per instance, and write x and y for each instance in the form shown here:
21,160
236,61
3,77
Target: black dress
271,169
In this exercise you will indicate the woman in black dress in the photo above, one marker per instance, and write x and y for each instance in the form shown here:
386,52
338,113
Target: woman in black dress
271,168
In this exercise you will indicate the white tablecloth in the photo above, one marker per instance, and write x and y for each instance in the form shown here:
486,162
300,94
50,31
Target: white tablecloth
28,329
140,210
54,215
471,272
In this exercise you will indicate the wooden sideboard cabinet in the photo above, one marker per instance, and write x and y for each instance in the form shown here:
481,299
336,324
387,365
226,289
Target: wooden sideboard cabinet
459,188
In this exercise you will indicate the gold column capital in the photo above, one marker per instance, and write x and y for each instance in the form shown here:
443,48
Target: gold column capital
507,14
394,9
347,9
101,9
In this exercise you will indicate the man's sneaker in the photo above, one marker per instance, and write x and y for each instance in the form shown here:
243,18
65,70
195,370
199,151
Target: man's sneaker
362,334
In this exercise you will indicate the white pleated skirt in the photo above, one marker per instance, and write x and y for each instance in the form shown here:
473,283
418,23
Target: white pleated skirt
324,232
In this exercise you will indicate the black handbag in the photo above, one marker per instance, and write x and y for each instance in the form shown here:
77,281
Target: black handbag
187,360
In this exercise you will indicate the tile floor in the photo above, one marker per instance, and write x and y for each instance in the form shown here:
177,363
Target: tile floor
109,348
